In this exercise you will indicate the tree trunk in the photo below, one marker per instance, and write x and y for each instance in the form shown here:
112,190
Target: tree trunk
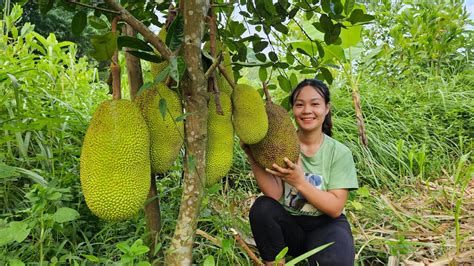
195,90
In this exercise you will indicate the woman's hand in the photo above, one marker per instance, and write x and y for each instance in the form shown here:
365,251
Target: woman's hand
293,175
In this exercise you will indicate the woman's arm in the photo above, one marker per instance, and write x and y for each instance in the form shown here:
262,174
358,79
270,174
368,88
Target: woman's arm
329,202
270,185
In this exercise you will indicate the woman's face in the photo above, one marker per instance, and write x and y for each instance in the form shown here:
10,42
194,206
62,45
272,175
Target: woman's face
310,109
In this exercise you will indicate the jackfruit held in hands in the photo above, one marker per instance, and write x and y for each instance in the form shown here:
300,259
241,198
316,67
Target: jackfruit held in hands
250,118
115,161
166,134
281,140
220,140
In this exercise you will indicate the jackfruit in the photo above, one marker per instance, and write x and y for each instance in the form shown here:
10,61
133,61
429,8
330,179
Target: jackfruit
250,118
281,140
115,161
166,134
220,140
222,83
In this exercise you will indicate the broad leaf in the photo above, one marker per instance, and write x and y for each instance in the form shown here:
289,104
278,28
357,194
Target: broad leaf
133,42
104,45
350,36
79,23
150,57
175,35
65,214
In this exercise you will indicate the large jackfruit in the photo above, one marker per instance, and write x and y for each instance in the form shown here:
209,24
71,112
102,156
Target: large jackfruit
250,118
166,134
220,140
115,161
281,140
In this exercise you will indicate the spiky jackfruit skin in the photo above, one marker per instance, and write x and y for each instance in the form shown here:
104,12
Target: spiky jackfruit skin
220,140
166,134
249,116
115,161
156,68
281,140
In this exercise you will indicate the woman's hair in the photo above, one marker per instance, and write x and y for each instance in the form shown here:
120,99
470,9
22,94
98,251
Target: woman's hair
323,90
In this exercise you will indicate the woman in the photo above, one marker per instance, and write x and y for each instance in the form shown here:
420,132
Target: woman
303,202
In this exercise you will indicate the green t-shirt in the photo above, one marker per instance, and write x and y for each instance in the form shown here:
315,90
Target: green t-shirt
332,167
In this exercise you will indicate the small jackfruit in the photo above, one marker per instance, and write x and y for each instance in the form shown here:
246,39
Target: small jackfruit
115,161
220,140
250,118
281,140
166,134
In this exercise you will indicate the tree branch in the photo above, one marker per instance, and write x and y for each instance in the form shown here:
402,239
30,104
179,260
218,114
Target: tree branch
226,76
93,7
140,27
213,67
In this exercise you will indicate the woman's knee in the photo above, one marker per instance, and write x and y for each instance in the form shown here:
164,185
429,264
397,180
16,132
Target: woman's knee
263,207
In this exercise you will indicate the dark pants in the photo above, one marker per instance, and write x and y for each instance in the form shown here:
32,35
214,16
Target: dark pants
274,229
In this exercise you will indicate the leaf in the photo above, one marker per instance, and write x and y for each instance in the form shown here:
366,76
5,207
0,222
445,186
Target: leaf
104,45
261,57
363,191
162,75
358,16
262,74
79,23
326,24
350,36
270,8
150,57
138,248
348,6
19,231
272,55
177,67
7,171
144,87
259,46
281,28
281,255
123,246
162,106
133,42
209,261
175,34
97,23
65,214
284,83
320,49
92,258
15,262
327,74
307,254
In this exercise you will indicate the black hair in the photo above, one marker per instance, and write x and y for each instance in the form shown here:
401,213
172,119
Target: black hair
323,90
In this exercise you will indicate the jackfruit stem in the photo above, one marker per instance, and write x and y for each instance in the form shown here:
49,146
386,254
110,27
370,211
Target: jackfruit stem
226,76
268,98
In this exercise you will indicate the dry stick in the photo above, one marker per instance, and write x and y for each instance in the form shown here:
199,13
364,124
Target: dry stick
268,98
207,236
115,67
149,36
239,240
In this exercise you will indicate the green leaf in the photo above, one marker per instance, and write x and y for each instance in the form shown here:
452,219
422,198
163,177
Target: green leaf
270,8
79,23
177,67
133,42
15,262
358,16
320,49
14,80
209,261
175,35
162,75
327,74
124,247
138,248
281,28
91,258
325,24
281,255
261,57
284,83
350,36
144,87
19,231
272,55
333,51
65,214
97,23
104,45
307,254
326,5
348,6
259,46
293,80
363,191
150,57
162,106
262,73
7,171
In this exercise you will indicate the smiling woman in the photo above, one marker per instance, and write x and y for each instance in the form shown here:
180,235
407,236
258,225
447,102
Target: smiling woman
307,211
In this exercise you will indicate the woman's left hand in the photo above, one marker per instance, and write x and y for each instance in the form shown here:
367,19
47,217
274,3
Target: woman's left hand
293,175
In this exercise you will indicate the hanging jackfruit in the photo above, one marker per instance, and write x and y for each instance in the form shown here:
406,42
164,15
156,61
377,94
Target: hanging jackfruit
249,116
115,161
220,140
166,134
281,140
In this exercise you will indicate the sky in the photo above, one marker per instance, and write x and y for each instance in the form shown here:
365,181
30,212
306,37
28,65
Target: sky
470,8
